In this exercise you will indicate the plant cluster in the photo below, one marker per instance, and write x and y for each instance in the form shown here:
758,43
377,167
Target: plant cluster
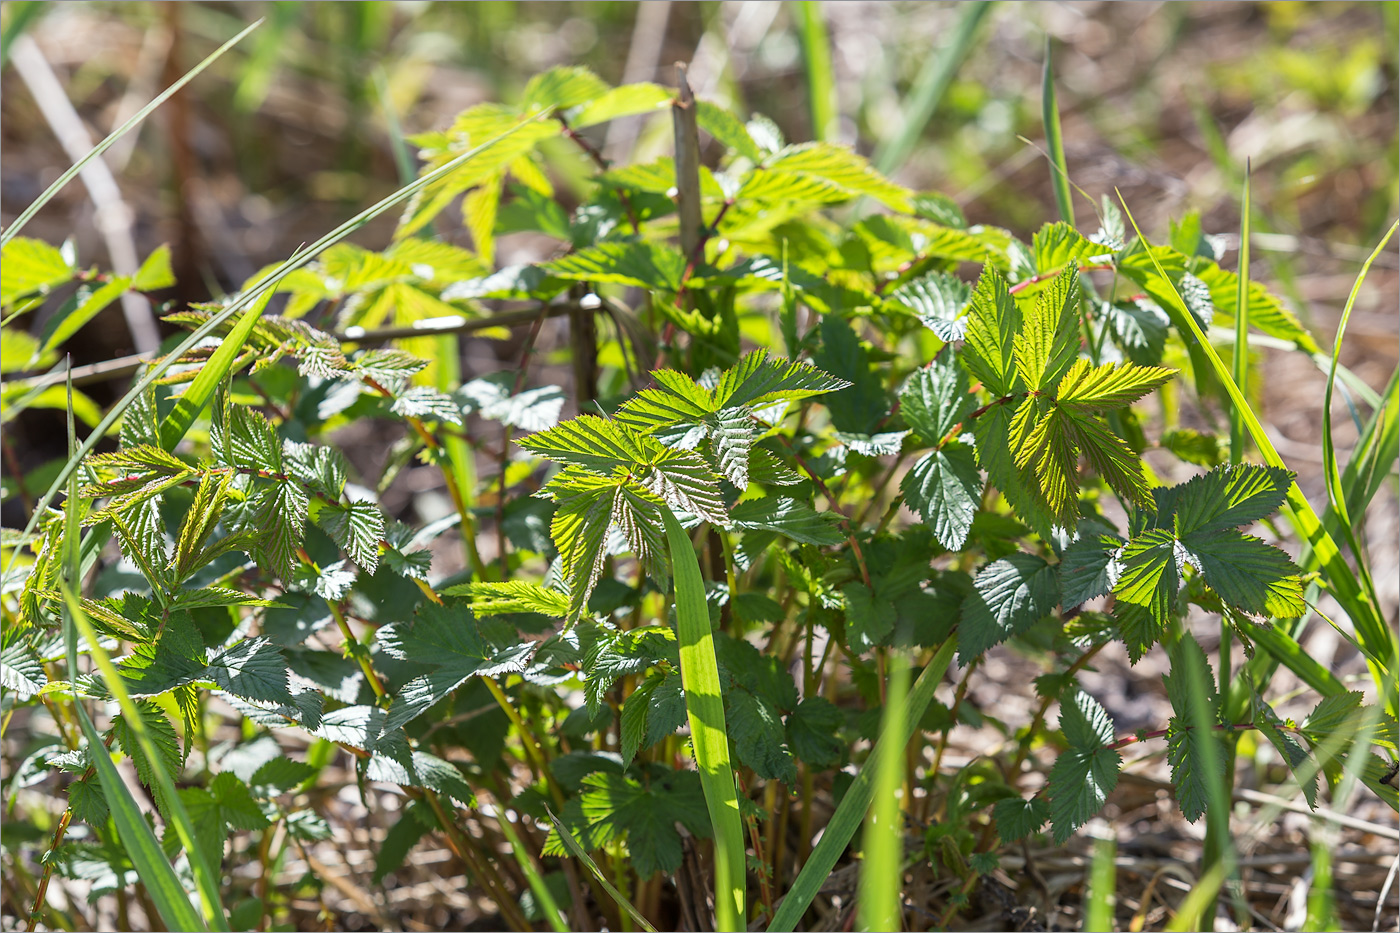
721,593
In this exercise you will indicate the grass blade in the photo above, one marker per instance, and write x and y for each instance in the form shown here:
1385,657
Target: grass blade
1336,492
704,704
1357,598
851,812
577,852
167,893
1098,911
117,134
1240,356
264,287
928,90
23,14
816,58
548,906
882,870
192,401
1050,115
206,878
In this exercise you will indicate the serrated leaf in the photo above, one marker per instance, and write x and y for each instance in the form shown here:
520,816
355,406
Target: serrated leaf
279,775
645,264
1110,457
732,439
254,669
423,402
1058,245
1334,713
1087,772
1228,497
1048,340
252,442
1091,388
1087,570
1140,329
281,519
596,444
1018,817
992,432
1047,454
1009,596
624,101
757,738
647,815
1190,772
841,168
489,599
1247,573
21,672
400,840
199,521
935,400
226,804
938,300
73,317
390,368
790,518
1189,664
686,483
870,618
861,405
494,397
357,528
88,802
1148,579
161,732
812,732
562,88
992,325
728,129
758,380
945,488
453,643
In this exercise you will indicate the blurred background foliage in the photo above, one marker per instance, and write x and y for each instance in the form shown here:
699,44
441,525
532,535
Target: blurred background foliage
305,120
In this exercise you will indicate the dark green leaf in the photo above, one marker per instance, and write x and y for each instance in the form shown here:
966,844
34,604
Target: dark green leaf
757,738
812,732
357,528
789,518
869,617
1083,775
1018,817
935,400
648,815
1009,596
993,323
945,488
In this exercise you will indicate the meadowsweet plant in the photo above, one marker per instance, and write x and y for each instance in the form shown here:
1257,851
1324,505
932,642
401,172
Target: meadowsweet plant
826,446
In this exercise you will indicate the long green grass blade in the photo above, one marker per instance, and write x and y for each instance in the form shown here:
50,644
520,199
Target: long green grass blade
192,401
577,852
848,816
23,14
1240,356
929,87
205,877
1358,600
264,287
28,213
1050,115
543,896
1098,908
882,870
167,893
704,704
816,56
1336,492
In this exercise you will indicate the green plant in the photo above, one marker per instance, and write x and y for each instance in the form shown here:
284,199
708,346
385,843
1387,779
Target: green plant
907,485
